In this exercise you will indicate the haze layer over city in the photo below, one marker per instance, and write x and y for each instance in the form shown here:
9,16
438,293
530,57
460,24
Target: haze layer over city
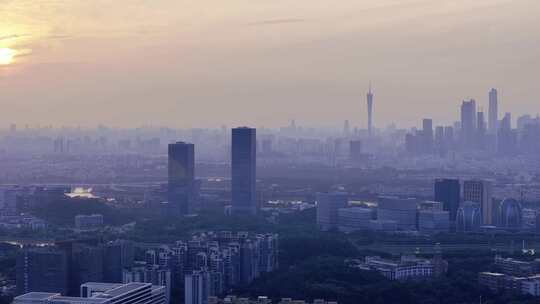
167,63
269,152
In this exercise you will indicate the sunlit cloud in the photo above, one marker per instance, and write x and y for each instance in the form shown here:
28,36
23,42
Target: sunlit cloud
10,37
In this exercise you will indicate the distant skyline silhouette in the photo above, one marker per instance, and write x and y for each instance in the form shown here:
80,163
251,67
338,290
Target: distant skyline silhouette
263,63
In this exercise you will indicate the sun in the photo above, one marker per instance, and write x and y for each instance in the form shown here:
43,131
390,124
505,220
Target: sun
6,56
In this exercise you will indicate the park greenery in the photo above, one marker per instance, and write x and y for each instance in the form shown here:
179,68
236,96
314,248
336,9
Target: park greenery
312,263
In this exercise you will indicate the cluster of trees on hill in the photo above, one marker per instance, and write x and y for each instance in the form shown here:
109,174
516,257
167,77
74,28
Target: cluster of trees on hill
315,268
62,212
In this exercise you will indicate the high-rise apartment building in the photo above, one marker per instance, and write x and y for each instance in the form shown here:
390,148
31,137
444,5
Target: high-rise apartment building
42,269
117,256
197,286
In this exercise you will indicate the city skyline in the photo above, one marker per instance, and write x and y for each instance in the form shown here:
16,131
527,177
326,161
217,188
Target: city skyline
269,152
276,63
494,116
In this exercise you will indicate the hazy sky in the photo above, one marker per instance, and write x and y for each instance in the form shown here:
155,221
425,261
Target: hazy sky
193,63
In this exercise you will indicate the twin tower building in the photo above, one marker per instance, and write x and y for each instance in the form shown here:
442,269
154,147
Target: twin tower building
183,189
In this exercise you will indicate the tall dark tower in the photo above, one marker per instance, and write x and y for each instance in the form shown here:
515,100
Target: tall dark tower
243,170
370,110
181,178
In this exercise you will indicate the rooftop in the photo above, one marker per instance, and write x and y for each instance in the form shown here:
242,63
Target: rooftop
60,299
36,296
120,289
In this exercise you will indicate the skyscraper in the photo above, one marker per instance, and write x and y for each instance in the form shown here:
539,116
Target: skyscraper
479,191
355,150
181,173
506,137
243,170
346,129
493,119
468,123
370,110
480,130
448,136
427,135
438,142
447,191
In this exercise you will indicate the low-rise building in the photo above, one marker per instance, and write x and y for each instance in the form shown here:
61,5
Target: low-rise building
519,276
354,219
492,280
402,211
407,268
101,293
515,267
529,285
263,300
383,225
433,220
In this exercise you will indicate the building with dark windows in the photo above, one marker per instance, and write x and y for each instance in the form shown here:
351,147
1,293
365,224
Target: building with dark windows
42,269
117,256
181,173
448,191
402,211
243,170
